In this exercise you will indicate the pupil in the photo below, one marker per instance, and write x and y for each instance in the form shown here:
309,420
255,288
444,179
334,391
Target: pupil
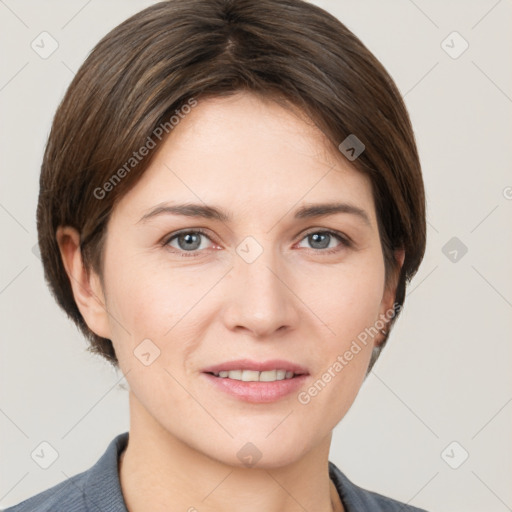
317,236
190,239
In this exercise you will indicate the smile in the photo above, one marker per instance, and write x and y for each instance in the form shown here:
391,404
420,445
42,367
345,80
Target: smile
255,376
256,381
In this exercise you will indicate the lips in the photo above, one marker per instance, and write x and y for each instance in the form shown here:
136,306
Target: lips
259,366
238,379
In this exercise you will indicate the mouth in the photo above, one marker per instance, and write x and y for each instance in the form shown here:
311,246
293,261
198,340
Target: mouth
255,376
257,382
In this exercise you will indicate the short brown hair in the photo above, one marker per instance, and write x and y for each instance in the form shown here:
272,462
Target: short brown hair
150,65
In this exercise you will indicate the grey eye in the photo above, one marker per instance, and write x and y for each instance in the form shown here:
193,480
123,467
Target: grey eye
187,241
320,240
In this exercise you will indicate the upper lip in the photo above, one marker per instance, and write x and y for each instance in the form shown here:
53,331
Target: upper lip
260,366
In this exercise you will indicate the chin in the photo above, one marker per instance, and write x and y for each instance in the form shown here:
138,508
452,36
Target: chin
259,451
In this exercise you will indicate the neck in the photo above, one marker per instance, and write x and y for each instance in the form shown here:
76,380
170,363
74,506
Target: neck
159,472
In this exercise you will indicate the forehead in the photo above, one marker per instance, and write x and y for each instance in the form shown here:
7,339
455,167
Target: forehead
249,154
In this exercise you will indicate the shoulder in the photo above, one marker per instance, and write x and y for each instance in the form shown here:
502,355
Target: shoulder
98,488
357,499
66,495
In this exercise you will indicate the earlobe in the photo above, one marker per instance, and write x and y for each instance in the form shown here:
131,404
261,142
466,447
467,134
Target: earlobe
86,286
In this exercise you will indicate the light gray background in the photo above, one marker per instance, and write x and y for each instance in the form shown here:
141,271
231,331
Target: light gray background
445,374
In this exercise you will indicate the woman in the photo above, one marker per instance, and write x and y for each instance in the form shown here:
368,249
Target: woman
231,206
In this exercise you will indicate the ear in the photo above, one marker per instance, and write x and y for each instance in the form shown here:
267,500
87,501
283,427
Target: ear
389,295
86,286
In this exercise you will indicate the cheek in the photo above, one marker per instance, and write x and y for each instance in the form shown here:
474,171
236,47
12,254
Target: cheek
349,300
149,299
350,309
169,306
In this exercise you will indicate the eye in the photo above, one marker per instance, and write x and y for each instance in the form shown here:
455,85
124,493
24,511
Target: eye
190,242
322,240
187,241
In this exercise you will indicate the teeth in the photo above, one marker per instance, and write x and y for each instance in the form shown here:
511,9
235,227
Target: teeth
268,376
255,376
250,376
235,374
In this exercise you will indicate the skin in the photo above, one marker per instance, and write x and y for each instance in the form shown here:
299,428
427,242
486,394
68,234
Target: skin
260,162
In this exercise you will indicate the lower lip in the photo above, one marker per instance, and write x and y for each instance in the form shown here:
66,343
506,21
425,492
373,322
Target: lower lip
257,392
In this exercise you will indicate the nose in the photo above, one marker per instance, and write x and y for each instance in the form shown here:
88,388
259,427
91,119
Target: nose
260,297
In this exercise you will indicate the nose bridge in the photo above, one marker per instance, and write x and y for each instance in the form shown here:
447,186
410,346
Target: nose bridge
259,300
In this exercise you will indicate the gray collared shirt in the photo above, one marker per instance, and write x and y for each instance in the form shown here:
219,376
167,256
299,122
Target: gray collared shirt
98,490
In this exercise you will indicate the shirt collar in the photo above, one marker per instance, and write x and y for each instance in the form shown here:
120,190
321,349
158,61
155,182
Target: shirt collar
102,489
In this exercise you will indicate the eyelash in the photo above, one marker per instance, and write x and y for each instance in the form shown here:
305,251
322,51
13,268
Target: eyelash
193,254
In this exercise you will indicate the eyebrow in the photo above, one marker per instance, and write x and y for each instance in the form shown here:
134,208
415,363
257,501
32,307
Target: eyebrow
307,211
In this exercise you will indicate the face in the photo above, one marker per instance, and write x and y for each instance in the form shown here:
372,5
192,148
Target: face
264,287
